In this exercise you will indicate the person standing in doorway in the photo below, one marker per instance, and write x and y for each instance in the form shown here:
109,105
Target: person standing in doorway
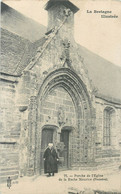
50,160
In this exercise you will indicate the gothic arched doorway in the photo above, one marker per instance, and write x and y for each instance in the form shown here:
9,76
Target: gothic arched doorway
81,139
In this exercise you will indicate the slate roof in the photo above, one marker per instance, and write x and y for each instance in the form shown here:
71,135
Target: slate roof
16,53
21,25
105,76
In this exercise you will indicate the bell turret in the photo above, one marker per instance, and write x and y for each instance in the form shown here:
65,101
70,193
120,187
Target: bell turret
61,12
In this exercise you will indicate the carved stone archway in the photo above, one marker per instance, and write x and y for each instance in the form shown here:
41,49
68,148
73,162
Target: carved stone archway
85,114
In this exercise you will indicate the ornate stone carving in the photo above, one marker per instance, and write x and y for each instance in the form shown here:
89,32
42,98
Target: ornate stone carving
67,12
65,57
61,116
32,135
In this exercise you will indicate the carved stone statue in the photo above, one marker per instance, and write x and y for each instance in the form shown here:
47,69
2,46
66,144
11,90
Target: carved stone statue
61,116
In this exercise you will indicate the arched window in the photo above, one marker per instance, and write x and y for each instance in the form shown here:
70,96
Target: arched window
107,125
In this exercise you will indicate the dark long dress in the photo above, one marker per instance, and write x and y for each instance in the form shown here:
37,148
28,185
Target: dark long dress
50,162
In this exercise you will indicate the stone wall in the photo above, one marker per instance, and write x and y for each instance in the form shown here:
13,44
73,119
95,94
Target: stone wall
56,99
10,126
108,154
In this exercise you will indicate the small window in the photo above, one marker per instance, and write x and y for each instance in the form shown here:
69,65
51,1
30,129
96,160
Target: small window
107,126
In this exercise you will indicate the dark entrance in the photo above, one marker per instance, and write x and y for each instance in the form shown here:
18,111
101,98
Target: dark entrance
64,137
47,137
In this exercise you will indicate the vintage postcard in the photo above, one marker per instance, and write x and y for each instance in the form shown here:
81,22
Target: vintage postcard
60,97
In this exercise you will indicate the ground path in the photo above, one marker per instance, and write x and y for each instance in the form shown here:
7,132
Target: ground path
65,182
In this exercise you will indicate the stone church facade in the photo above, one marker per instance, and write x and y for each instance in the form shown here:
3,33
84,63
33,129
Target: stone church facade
52,95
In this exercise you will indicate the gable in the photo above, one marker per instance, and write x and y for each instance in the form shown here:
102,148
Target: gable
17,52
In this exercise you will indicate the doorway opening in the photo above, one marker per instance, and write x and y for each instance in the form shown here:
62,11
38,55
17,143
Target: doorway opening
47,137
64,137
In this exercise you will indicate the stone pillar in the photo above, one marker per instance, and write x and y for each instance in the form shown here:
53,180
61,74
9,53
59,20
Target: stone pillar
23,143
32,119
